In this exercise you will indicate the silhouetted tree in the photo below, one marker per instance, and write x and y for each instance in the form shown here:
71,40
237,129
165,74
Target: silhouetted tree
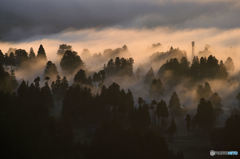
59,87
149,76
22,89
81,77
77,105
144,116
116,101
11,59
222,71
195,68
50,70
119,67
205,117
63,48
172,53
162,112
204,91
129,101
156,88
99,76
21,56
41,53
32,54
139,121
174,105
139,72
217,103
206,68
118,52
184,65
47,98
70,62
37,82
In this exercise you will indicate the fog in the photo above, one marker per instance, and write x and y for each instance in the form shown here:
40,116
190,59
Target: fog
86,106
223,43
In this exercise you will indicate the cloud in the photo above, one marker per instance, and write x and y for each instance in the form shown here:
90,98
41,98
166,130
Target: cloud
20,20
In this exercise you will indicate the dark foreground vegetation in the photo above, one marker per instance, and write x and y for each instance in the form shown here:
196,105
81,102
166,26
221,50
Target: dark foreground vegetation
96,120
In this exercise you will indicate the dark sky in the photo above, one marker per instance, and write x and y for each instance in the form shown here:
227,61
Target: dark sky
23,19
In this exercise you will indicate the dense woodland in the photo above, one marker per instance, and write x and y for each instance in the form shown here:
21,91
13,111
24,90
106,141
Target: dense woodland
72,113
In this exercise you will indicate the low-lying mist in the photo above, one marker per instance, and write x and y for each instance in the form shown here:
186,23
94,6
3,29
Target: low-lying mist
223,43
141,44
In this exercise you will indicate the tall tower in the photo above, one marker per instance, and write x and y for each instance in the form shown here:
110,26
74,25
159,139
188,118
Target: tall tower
193,49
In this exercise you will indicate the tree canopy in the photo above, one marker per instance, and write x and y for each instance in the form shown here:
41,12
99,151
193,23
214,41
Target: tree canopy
50,70
41,53
70,62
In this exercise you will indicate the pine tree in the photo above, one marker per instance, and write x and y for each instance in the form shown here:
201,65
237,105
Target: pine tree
37,83
32,54
195,68
41,53
174,105
63,48
47,99
205,116
204,91
222,70
149,76
161,111
217,103
22,89
21,56
81,77
50,70
11,59
156,88
70,62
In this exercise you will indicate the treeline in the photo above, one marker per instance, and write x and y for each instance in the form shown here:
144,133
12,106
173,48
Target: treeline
58,120
108,121
119,67
199,69
70,61
19,57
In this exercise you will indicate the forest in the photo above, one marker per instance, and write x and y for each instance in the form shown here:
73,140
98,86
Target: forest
169,107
